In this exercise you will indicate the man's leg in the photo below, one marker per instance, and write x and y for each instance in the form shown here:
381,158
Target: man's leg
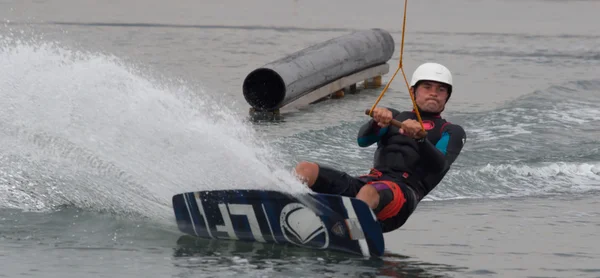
307,172
323,179
370,195
396,202
385,198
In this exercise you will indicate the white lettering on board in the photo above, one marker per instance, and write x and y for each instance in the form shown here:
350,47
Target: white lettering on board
248,211
227,227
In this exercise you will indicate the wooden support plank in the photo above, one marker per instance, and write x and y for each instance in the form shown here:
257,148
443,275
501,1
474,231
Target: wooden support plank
337,85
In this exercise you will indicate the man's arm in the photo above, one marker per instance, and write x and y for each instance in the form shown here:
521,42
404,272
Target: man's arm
370,132
450,145
434,160
452,141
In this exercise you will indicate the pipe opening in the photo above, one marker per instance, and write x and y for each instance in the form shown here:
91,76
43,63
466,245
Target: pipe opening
264,89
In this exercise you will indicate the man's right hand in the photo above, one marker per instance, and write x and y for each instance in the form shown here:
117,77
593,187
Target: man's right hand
382,116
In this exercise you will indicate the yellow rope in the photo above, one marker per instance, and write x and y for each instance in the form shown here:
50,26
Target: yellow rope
405,79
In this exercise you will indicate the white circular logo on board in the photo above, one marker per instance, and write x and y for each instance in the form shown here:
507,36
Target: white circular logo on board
301,226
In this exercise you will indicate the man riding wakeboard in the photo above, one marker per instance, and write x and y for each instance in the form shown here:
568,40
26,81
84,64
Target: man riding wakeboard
406,166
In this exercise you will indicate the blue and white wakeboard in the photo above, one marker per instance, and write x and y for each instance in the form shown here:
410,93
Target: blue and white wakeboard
312,220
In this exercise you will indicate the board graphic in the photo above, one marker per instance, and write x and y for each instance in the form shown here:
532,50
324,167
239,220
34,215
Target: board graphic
308,220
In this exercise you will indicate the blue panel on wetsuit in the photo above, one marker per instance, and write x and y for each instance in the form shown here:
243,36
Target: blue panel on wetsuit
442,144
368,140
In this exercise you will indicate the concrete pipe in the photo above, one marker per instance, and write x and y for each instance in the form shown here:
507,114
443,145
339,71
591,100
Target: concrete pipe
285,80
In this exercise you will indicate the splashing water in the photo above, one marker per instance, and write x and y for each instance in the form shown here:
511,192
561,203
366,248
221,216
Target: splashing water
86,130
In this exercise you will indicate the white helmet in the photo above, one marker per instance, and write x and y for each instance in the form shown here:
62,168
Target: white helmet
432,72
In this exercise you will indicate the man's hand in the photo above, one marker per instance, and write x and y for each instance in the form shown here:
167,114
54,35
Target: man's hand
382,116
411,128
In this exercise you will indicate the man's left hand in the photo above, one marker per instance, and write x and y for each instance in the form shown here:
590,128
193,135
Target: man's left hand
411,128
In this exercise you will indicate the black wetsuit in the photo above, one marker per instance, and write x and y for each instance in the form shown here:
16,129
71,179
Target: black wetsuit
415,166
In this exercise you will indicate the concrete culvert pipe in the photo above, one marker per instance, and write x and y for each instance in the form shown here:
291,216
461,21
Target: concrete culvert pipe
282,81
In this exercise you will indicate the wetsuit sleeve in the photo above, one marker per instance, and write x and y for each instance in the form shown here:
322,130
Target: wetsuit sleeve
452,142
434,159
450,145
370,132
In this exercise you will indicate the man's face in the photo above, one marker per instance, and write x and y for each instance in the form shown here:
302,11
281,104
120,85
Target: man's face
431,96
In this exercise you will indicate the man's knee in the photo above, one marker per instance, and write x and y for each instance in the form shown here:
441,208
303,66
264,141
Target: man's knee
369,195
307,172
384,197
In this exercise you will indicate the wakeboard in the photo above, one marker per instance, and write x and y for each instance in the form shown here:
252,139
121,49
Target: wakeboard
312,220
